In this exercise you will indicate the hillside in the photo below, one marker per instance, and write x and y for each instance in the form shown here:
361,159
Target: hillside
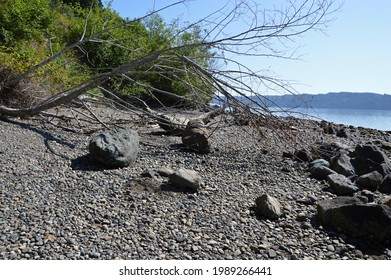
336,100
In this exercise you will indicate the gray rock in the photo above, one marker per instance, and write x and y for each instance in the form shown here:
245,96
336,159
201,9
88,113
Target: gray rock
165,171
343,165
369,158
385,185
321,172
319,162
341,184
186,179
268,206
303,155
115,147
370,181
196,136
353,217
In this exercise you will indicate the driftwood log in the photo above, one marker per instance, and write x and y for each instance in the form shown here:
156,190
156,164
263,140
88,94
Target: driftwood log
175,124
193,131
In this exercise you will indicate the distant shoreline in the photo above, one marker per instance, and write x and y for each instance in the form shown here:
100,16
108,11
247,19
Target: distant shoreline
332,100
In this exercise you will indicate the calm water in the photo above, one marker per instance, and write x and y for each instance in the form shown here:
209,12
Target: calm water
378,119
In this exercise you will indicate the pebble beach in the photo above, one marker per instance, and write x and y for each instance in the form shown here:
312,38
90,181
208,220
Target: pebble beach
57,204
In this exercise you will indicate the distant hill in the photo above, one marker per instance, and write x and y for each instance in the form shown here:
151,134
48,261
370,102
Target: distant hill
335,100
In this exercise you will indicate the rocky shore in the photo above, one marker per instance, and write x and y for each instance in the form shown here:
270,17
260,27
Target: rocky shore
57,203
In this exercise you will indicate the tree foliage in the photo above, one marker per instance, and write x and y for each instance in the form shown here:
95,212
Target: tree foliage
52,25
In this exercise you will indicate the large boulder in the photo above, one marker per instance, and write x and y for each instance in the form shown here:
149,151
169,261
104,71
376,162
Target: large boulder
115,147
370,158
268,206
357,219
341,184
343,165
370,181
186,179
196,136
320,172
385,186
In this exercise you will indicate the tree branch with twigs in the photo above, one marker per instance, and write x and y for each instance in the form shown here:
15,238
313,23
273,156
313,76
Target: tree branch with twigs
239,29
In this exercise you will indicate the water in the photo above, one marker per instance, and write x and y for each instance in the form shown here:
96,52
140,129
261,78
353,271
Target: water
377,119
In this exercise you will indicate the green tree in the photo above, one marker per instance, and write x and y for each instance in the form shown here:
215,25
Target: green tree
23,20
84,3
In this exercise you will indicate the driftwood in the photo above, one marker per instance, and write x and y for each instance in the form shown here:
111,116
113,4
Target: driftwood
175,124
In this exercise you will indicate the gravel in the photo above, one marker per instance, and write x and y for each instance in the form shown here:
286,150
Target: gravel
56,203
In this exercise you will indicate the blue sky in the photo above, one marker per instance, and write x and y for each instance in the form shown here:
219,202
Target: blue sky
354,54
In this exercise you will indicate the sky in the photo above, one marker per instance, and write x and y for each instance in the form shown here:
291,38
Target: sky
353,54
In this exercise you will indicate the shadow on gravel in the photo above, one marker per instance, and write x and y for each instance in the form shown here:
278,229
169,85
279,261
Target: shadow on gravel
171,188
48,137
366,247
86,163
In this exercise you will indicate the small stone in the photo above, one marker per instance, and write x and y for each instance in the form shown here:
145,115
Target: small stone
301,217
330,248
293,257
268,206
165,171
386,201
186,179
359,254
306,225
272,253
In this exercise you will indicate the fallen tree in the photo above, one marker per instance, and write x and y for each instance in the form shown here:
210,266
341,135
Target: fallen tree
265,35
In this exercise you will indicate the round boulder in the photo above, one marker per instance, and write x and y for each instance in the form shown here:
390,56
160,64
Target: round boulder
115,147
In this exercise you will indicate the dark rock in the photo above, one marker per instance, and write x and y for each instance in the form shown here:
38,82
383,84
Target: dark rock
341,184
359,220
115,147
150,174
268,206
342,133
196,136
318,162
303,155
287,154
369,158
368,194
361,197
326,151
342,164
321,172
370,181
186,179
386,145
385,185
328,128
